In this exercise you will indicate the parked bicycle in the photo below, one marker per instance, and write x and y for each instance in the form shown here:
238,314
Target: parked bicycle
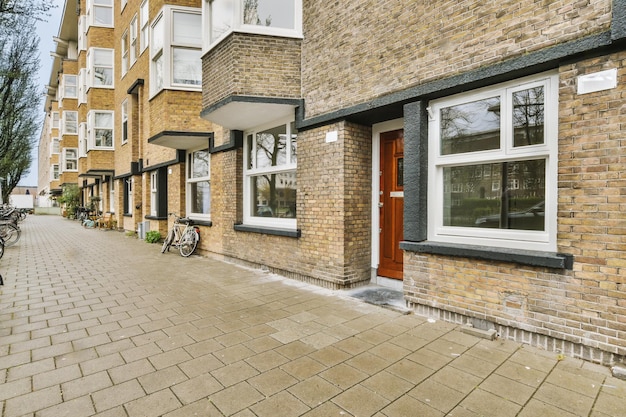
9,229
1,247
183,235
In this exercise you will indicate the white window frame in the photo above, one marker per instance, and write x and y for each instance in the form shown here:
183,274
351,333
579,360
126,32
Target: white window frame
133,41
125,52
161,56
54,172
128,203
154,178
91,67
250,171
112,195
238,24
70,86
66,122
54,116
124,117
105,5
144,21
547,151
55,146
82,33
82,140
191,180
66,159
92,127
82,86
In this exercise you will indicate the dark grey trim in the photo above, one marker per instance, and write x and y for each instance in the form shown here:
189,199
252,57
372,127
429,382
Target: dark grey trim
526,257
416,171
391,105
618,20
134,88
249,99
155,217
236,142
207,223
267,231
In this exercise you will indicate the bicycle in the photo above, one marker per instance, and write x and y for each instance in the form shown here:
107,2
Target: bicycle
9,232
183,234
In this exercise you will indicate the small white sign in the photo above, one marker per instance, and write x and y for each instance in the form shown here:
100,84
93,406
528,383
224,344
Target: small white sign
331,136
598,81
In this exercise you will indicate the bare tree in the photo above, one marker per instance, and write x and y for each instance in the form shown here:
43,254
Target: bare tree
19,99
10,10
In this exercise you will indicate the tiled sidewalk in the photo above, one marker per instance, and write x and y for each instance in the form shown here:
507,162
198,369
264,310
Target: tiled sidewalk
97,323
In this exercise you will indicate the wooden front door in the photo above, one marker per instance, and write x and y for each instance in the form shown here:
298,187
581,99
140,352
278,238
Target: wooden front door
391,203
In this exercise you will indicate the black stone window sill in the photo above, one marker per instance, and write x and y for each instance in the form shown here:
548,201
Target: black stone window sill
207,223
155,217
520,256
268,230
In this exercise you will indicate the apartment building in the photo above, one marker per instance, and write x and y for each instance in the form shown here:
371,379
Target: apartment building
134,71
469,153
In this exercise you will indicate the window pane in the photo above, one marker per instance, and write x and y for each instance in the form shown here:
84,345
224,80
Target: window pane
187,66
274,195
104,120
103,15
157,35
187,28
222,13
158,73
200,195
103,76
104,137
270,147
471,127
473,195
272,13
200,164
528,114
294,143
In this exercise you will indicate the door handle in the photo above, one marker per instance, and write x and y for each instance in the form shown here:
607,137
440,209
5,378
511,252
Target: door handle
380,205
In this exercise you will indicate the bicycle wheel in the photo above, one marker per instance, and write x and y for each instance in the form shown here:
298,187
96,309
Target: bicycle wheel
1,247
10,234
168,241
188,242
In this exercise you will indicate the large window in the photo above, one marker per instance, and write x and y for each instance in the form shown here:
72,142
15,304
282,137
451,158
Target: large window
176,49
270,17
70,122
70,159
153,193
144,21
70,86
100,130
124,46
54,172
100,12
124,121
270,176
133,41
492,164
100,67
199,184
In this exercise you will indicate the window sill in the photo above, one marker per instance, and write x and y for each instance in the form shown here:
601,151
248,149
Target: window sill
207,223
268,231
526,257
155,217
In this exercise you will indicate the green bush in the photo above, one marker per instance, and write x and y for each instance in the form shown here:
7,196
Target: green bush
153,236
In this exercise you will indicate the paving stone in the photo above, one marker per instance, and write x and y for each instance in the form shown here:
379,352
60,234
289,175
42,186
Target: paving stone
153,405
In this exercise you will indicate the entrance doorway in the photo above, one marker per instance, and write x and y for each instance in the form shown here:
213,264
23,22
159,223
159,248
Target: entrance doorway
391,204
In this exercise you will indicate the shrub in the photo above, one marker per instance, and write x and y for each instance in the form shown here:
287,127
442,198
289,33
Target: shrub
153,236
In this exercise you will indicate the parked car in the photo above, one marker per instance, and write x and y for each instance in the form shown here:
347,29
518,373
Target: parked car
532,218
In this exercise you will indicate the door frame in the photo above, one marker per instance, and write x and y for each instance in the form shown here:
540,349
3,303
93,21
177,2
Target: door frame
377,129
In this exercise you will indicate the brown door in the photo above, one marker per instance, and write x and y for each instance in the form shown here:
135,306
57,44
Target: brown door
391,203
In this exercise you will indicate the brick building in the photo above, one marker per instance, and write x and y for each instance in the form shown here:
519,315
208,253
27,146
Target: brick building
468,153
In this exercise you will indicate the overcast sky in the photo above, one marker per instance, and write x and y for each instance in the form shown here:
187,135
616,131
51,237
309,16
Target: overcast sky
45,30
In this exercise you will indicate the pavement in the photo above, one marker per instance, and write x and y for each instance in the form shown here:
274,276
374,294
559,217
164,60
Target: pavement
98,323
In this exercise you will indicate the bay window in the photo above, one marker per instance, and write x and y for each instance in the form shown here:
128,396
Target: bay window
70,122
176,50
82,140
270,176
70,159
54,172
55,120
70,86
100,12
493,166
100,129
268,17
100,67
144,21
199,184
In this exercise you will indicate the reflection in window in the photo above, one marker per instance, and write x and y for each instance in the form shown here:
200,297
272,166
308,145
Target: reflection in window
273,13
528,115
187,66
275,195
198,183
470,127
473,199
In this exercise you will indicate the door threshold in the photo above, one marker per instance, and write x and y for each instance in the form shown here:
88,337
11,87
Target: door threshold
395,284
